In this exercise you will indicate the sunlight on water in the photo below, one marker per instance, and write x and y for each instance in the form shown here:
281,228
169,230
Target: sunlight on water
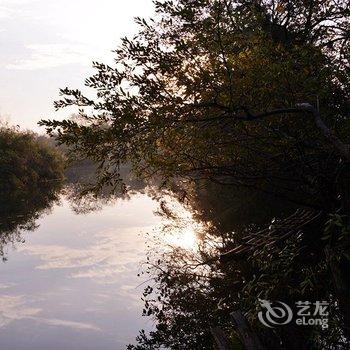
74,270
180,227
186,239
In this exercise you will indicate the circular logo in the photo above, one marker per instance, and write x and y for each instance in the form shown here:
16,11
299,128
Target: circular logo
274,314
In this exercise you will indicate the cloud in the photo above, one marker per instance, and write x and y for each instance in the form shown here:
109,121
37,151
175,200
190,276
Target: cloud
46,56
14,308
112,254
7,285
5,12
16,2
69,324
13,9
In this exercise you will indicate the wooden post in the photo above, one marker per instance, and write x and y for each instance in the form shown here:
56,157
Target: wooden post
221,340
248,338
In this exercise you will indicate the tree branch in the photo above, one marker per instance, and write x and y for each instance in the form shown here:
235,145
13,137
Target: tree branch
342,148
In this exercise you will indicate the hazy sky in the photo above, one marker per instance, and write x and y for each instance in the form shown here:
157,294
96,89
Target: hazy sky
49,44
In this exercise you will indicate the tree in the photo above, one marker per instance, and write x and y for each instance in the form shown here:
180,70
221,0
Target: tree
249,94
178,100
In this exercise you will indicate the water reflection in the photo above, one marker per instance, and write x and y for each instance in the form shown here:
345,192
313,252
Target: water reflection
192,291
20,210
179,228
72,262
74,283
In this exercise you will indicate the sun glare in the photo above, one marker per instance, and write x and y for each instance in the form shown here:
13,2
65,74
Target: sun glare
186,239
182,230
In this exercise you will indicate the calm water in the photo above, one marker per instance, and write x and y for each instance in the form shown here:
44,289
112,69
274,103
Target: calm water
73,284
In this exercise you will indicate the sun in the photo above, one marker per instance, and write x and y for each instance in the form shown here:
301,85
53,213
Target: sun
186,238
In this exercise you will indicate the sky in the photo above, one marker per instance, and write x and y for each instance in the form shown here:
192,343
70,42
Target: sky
50,44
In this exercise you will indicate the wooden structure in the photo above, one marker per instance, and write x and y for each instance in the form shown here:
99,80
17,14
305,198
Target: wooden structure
276,233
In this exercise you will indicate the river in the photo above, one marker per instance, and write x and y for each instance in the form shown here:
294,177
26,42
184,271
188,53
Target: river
72,281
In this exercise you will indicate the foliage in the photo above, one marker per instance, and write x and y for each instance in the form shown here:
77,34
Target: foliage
173,105
31,174
206,91
26,162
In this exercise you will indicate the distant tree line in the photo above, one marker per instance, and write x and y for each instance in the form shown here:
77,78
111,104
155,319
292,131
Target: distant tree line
27,161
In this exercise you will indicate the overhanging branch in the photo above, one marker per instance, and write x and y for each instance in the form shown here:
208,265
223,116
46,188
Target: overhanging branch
342,148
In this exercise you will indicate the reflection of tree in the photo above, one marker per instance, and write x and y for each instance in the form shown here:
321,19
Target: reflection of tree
80,189
20,209
84,202
194,291
234,208
29,190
